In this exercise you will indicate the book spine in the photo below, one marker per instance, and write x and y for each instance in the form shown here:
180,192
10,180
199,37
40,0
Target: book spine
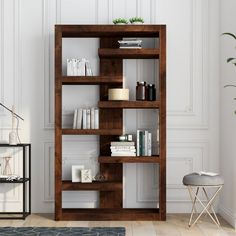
96,118
88,118
123,154
145,143
92,118
69,71
74,66
84,119
75,119
79,118
121,143
137,143
149,144
122,147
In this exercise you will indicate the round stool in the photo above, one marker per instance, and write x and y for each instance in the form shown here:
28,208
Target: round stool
203,181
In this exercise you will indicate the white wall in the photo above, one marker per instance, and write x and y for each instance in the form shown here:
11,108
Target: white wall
192,92
227,116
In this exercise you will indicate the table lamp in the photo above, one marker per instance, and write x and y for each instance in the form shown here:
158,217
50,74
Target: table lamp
13,136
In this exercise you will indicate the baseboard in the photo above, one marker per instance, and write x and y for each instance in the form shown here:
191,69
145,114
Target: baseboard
228,216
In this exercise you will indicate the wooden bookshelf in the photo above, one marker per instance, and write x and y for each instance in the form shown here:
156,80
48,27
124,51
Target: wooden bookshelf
110,120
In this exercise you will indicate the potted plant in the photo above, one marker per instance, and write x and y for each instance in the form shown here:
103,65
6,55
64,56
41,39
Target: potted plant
136,20
120,21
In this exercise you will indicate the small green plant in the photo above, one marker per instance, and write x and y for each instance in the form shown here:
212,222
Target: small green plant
136,19
120,21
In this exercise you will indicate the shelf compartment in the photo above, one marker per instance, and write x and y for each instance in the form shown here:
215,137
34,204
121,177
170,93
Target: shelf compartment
100,214
92,131
142,53
20,181
91,80
129,104
129,159
96,186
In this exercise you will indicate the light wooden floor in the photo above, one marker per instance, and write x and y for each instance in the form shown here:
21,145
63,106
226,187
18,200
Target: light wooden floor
176,225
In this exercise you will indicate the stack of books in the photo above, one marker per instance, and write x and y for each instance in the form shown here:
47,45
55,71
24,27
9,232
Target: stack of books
78,67
144,143
86,118
123,148
130,43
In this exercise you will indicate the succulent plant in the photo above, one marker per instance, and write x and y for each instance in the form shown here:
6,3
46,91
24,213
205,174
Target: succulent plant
136,19
120,21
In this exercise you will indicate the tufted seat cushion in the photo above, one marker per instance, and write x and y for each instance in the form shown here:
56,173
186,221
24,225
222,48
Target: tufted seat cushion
202,180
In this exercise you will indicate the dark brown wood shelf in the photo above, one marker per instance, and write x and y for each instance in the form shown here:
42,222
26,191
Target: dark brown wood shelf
142,53
91,131
129,104
68,185
91,80
110,200
111,214
128,159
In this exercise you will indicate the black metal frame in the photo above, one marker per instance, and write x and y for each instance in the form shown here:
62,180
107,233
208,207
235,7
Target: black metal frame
24,180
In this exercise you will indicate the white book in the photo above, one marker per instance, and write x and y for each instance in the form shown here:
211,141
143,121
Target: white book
92,118
96,118
207,173
138,143
88,69
122,147
122,143
145,142
75,119
69,67
74,66
132,154
84,119
81,67
123,150
79,118
149,153
88,118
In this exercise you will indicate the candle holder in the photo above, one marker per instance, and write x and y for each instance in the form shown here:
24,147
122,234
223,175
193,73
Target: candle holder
7,168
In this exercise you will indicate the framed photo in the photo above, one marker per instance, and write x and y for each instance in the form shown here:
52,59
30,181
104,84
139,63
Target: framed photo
76,173
86,176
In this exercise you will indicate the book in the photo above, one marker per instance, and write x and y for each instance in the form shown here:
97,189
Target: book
92,121
149,145
122,143
207,173
122,147
75,119
69,67
88,69
130,47
84,119
88,118
145,143
123,150
123,154
138,143
96,118
81,67
79,118
74,66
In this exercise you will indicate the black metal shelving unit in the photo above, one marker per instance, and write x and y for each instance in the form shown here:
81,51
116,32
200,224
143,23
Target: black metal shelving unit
25,180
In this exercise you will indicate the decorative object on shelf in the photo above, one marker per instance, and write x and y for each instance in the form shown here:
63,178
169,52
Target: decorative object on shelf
7,169
76,172
136,20
118,94
131,43
141,91
99,177
120,21
86,176
126,137
10,177
13,135
151,92
78,67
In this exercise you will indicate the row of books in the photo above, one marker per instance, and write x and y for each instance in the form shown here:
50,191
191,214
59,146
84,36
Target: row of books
123,148
86,118
144,143
130,43
78,67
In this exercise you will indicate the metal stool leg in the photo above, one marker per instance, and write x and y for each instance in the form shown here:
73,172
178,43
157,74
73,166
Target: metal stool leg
193,201
205,207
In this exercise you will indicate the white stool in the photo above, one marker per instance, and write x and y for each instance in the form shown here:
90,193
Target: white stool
203,181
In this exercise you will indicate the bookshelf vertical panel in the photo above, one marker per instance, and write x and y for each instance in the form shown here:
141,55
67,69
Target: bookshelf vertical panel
162,120
110,119
58,124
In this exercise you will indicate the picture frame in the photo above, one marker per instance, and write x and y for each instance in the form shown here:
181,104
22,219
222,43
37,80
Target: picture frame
76,172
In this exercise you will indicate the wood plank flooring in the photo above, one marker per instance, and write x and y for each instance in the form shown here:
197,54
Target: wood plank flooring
176,225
